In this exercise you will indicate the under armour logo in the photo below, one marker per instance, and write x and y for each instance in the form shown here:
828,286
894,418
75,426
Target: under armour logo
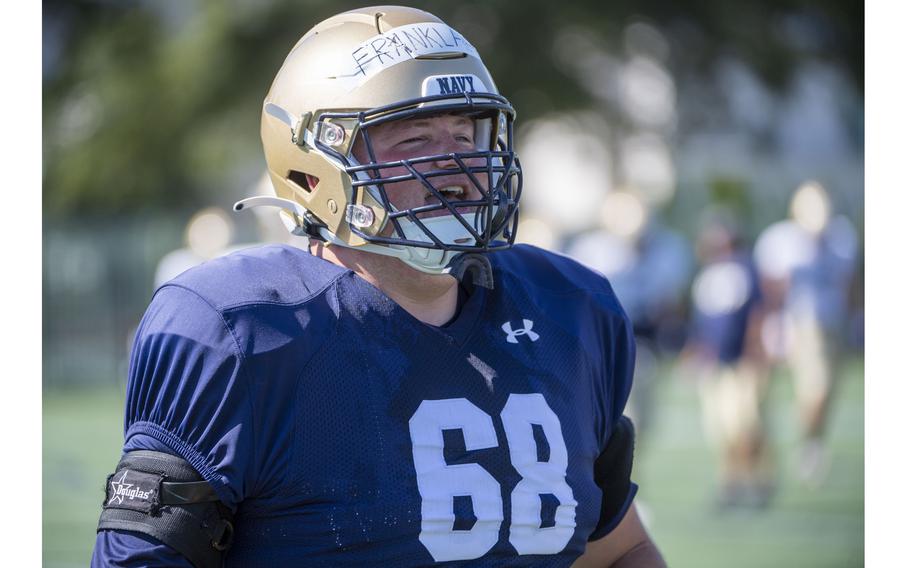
526,330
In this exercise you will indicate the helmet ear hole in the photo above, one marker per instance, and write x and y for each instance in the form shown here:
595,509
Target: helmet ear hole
306,182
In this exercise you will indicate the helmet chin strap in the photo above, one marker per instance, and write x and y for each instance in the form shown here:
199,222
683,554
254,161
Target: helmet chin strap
430,261
473,263
457,264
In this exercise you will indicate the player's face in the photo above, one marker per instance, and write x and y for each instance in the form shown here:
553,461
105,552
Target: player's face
425,136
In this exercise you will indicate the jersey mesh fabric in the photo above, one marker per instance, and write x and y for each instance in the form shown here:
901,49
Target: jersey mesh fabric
315,451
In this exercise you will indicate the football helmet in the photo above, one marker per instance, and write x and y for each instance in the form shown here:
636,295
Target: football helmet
364,68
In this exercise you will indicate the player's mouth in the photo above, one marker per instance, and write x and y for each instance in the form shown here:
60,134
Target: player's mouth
453,192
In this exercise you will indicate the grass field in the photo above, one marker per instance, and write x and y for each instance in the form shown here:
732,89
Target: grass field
802,528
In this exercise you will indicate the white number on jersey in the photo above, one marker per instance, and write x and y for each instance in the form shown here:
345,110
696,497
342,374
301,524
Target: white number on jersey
521,412
440,483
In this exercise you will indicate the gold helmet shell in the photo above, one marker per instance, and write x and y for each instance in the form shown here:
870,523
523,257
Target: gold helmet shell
361,68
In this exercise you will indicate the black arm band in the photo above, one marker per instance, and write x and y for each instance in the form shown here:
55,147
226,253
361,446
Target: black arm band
162,496
613,471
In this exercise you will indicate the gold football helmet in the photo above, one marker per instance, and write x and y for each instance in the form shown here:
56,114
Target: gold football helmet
363,68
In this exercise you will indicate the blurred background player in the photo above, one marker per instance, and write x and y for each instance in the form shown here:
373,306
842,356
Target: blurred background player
649,266
806,264
723,353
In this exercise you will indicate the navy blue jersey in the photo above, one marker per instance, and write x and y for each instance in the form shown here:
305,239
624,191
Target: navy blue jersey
725,294
345,432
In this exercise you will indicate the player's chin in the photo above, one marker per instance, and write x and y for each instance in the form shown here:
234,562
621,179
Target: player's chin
466,213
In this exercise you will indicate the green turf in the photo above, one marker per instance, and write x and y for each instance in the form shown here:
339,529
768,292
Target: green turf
82,435
802,528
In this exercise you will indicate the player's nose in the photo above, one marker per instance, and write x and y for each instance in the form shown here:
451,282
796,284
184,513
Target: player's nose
446,161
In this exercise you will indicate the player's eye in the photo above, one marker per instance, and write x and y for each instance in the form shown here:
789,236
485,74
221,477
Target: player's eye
413,140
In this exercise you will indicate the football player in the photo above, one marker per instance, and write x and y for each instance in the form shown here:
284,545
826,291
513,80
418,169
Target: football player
724,353
403,388
807,264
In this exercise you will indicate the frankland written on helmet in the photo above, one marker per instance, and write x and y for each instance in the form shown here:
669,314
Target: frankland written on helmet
404,43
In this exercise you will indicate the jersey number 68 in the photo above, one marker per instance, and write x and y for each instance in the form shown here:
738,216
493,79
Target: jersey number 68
439,483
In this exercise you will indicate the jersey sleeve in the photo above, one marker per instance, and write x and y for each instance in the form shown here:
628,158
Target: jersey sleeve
620,353
186,395
612,339
188,390
619,491
123,549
